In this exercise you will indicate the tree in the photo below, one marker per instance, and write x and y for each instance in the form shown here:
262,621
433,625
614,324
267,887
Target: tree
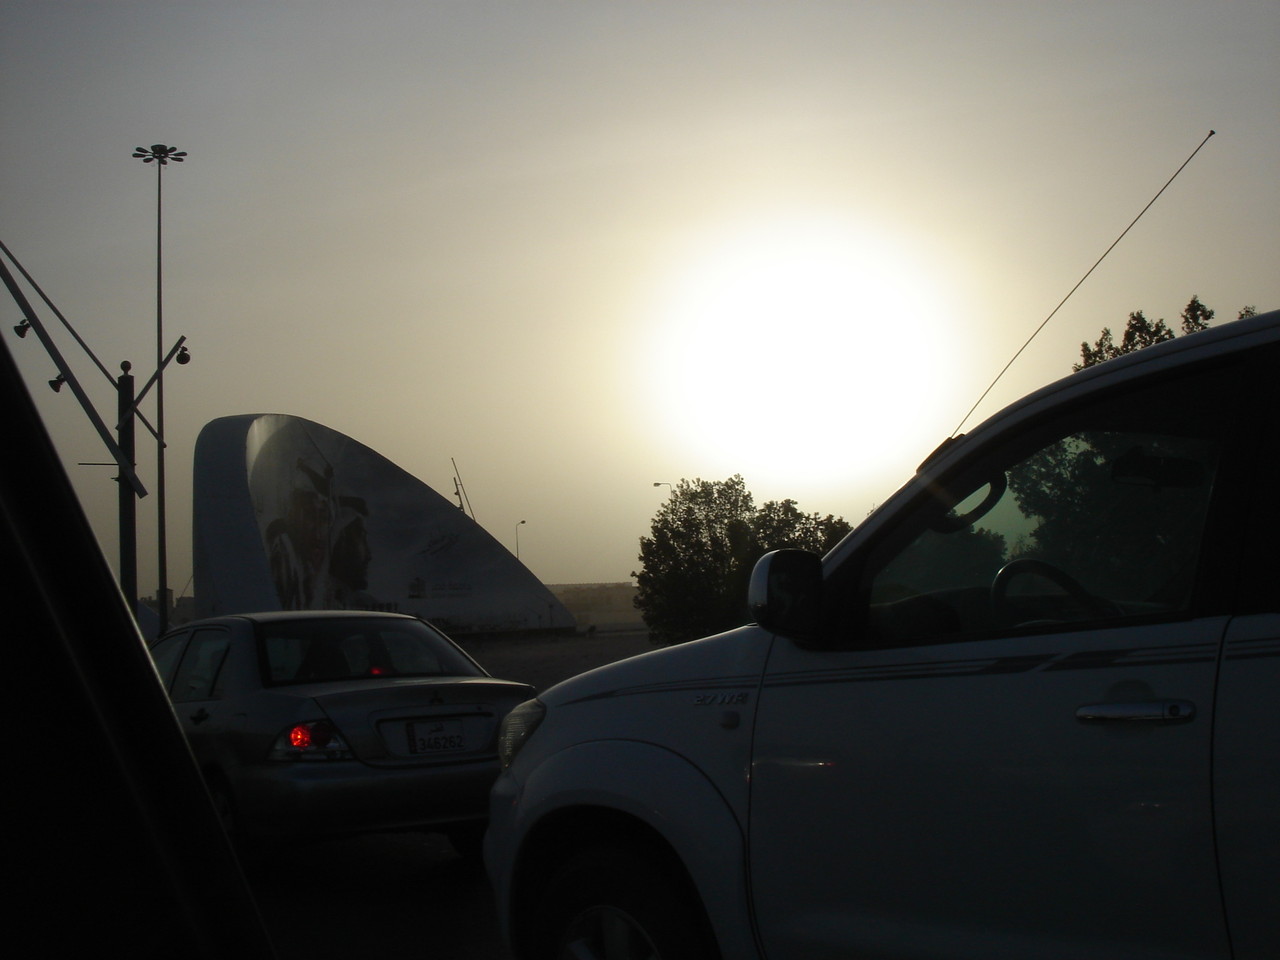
704,542
1140,332
779,524
688,582
1195,316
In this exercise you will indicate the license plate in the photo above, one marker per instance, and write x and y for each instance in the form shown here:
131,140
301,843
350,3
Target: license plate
435,736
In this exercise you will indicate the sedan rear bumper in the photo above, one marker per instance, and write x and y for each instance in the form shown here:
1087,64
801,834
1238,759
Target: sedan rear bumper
323,798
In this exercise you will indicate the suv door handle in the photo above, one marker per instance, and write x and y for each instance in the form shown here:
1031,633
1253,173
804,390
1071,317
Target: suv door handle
1150,711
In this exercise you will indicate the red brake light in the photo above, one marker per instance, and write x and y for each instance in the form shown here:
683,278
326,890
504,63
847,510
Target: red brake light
316,734
312,740
300,736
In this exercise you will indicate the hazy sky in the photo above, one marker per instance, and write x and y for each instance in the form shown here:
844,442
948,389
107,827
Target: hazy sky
580,247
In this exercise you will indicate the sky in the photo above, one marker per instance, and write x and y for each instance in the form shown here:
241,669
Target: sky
579,249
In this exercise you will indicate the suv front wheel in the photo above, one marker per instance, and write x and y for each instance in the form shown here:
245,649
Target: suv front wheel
617,903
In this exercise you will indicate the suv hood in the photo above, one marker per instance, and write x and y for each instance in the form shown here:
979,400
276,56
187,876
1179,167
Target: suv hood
706,667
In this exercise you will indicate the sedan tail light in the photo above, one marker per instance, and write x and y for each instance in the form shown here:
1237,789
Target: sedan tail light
313,740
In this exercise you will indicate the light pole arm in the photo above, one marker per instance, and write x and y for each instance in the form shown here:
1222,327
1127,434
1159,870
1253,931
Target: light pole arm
31,282
126,468
133,410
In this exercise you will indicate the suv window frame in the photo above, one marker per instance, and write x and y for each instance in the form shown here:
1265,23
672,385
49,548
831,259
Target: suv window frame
846,585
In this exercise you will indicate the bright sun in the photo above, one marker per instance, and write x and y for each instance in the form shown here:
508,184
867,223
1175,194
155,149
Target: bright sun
802,348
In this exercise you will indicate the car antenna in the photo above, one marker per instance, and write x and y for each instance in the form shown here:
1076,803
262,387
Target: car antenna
1079,283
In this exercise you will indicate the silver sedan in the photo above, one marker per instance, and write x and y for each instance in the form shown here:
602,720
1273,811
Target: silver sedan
316,723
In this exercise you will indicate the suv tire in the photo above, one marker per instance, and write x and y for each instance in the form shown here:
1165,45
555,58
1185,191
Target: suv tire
616,902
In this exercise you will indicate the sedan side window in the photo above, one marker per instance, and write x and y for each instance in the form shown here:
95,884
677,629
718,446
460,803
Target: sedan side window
1097,516
165,655
201,664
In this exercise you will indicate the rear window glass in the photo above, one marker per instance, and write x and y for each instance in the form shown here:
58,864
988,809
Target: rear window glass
307,651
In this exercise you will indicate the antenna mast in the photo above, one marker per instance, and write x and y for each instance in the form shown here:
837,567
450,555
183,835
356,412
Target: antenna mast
1045,321
460,491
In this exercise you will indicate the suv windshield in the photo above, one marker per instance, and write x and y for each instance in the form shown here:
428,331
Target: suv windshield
305,651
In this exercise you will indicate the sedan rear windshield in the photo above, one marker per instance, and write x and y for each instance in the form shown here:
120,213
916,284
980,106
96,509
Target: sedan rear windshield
309,651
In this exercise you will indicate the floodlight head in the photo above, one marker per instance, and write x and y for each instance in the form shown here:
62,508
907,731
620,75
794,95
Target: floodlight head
160,153
22,328
56,383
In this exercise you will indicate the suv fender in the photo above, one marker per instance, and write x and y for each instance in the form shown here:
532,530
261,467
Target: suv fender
617,784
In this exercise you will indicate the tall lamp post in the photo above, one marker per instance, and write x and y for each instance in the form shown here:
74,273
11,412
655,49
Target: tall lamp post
160,155
518,526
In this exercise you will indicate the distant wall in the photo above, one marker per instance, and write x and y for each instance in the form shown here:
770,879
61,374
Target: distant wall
290,515
602,606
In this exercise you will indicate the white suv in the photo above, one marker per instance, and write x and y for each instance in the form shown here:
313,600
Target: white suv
1030,708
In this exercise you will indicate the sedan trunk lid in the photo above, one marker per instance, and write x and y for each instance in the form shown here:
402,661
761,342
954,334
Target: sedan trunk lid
417,720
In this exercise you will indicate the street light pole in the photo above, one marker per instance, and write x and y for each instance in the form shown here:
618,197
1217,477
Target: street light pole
128,400
128,496
518,526
160,154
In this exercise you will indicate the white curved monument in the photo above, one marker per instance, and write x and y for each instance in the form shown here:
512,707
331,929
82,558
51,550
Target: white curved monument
290,515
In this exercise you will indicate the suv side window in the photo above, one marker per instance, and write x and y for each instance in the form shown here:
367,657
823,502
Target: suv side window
1096,515
198,673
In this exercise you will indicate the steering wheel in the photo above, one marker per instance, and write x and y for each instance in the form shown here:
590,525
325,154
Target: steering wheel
1093,605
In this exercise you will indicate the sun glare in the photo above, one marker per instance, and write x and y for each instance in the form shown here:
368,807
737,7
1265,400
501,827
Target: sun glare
800,348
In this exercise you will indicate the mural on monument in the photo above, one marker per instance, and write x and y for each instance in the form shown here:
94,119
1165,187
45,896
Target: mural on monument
292,514
316,542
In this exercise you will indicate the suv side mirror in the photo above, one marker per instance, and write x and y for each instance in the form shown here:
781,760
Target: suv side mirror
785,594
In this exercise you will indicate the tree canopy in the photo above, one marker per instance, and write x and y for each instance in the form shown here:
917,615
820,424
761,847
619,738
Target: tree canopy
703,542
1140,332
